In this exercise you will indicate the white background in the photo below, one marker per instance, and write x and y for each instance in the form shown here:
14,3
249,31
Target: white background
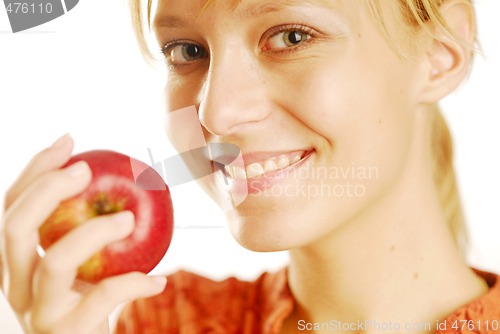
82,73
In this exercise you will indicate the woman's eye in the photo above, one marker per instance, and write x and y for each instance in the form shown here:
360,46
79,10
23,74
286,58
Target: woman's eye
182,53
286,39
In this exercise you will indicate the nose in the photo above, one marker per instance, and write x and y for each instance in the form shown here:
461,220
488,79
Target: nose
233,97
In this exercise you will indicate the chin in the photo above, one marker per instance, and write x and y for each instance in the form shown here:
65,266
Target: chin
270,232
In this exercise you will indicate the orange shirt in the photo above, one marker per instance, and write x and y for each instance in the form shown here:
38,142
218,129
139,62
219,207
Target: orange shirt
192,304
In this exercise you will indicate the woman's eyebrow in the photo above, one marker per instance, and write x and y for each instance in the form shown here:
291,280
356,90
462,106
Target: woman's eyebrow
169,21
255,9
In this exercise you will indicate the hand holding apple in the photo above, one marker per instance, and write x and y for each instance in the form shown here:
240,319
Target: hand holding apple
118,183
43,292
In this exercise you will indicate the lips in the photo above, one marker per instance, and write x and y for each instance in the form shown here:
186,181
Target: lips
264,163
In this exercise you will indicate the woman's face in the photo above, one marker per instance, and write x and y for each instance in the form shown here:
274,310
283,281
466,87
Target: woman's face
287,80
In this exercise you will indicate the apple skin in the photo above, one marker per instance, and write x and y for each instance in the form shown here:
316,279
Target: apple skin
118,183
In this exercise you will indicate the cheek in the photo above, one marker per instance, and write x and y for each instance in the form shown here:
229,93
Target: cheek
182,122
178,93
360,107
358,115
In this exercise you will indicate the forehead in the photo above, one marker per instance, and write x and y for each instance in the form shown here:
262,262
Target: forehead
241,8
176,13
266,4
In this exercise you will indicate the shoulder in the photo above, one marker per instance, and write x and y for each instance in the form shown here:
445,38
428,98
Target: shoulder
482,315
198,305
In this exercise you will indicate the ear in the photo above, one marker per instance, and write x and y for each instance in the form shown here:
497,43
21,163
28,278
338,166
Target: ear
449,57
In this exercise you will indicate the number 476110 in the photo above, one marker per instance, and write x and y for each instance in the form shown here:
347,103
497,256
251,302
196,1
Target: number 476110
25,8
473,326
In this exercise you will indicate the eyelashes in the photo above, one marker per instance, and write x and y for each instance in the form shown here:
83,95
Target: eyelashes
179,53
280,40
292,37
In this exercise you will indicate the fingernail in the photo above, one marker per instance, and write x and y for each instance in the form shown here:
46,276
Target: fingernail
124,220
77,169
159,280
63,140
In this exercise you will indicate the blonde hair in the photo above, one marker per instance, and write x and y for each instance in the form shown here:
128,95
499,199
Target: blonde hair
415,15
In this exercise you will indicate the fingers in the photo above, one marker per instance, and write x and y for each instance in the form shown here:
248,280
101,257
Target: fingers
50,158
44,195
54,279
90,314
23,219
107,295
57,271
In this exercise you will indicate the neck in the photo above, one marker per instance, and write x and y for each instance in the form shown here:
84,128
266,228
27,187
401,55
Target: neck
396,262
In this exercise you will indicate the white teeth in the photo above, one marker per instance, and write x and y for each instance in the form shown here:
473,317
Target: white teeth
270,165
295,159
239,173
257,169
283,162
254,170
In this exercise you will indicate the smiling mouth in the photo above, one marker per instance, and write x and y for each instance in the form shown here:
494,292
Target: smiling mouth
262,168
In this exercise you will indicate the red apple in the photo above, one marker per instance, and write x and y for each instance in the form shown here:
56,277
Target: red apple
118,183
